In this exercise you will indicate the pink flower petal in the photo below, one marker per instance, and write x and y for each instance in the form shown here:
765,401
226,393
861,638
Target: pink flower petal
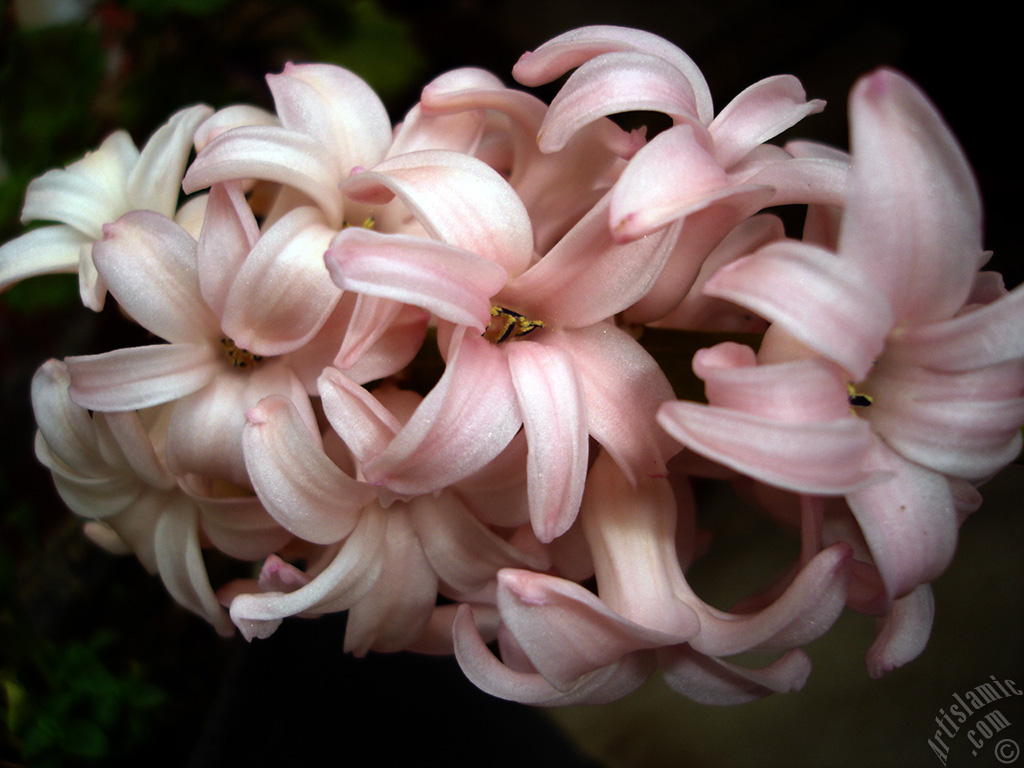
635,557
700,312
616,82
67,428
282,294
909,521
180,563
916,411
799,181
904,633
41,251
270,153
149,265
913,217
715,218
155,180
88,193
712,681
800,391
335,107
302,488
552,403
238,526
128,379
370,318
983,336
571,49
441,443
667,178
565,630
233,116
759,113
458,199
453,284
623,386
818,298
493,677
399,604
459,130
364,424
204,429
816,457
345,580
390,353
806,610
498,493
463,552
587,277
228,233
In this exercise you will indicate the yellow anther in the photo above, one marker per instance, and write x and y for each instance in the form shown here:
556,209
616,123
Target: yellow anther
240,358
506,324
857,399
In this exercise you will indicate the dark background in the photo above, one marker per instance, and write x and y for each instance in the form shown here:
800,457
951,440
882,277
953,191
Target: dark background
94,647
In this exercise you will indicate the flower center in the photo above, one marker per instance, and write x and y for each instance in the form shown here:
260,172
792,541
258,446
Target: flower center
240,358
506,324
857,399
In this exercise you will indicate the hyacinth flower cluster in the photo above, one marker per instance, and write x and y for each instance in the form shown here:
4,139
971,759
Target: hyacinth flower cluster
400,371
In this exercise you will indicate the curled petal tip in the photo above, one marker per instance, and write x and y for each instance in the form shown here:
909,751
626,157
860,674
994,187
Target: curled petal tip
260,413
877,83
523,586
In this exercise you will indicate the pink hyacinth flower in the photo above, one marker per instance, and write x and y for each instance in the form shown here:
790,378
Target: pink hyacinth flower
898,324
709,171
384,563
246,315
562,644
574,375
107,470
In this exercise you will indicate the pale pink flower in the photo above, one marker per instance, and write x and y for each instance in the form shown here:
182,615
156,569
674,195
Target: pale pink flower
94,191
575,375
709,171
329,124
383,560
557,188
704,157
897,326
246,315
562,644
107,469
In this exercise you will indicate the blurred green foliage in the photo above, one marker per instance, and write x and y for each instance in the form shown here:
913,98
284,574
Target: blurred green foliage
70,704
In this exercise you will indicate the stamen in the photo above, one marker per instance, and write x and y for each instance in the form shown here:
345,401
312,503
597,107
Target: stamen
368,223
507,323
240,358
857,399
